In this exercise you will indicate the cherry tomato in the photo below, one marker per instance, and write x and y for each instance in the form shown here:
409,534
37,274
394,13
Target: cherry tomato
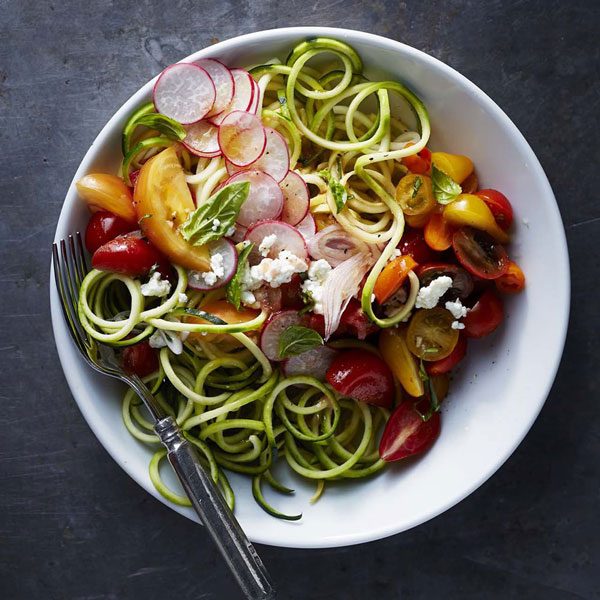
353,322
456,166
485,316
513,281
417,221
462,282
291,294
363,376
413,244
469,210
438,232
102,191
406,433
414,194
395,352
445,365
140,359
103,227
127,254
479,253
499,205
392,277
470,184
430,335
418,163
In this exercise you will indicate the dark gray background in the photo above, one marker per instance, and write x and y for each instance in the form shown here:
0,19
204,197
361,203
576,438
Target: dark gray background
72,524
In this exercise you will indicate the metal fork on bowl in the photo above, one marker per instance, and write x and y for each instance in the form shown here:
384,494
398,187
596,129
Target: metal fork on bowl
70,268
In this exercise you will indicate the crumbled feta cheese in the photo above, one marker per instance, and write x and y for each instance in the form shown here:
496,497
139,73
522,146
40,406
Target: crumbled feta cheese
217,269
171,339
457,325
525,221
182,298
429,296
215,224
157,340
156,286
456,308
248,298
276,271
373,298
230,232
266,244
395,254
318,272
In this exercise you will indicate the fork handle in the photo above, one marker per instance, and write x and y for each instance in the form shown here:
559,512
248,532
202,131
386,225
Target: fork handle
213,511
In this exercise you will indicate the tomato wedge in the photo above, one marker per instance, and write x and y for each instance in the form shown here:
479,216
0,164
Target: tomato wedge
104,226
438,232
127,254
513,281
500,206
404,365
485,316
419,163
163,202
102,191
479,253
392,277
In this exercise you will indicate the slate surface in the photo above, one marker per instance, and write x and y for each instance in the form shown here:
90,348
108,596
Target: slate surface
72,524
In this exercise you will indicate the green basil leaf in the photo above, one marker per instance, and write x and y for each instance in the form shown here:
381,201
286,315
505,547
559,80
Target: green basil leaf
445,189
338,191
418,182
297,339
211,220
167,126
234,287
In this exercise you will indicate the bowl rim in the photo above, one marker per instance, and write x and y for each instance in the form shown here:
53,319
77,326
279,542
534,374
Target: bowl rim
63,340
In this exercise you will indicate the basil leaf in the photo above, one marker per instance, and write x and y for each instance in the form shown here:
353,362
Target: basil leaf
211,220
445,189
167,126
297,339
416,186
338,191
234,287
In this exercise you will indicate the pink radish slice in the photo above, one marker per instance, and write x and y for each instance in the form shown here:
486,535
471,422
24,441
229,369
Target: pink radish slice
184,92
264,201
243,94
287,238
253,108
313,362
275,160
223,81
242,138
307,227
239,234
296,198
202,139
275,326
197,280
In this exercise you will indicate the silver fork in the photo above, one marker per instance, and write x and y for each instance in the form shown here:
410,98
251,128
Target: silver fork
70,267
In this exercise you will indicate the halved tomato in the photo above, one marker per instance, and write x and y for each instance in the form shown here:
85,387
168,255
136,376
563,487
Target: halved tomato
430,335
479,253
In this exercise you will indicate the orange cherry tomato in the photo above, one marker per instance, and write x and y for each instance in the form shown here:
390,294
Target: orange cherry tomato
513,281
438,232
392,277
500,206
102,191
417,221
419,163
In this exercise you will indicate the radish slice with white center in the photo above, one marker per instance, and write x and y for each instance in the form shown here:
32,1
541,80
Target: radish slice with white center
275,326
223,263
223,81
243,95
286,238
307,227
275,160
313,362
242,138
296,198
202,139
265,198
253,108
184,92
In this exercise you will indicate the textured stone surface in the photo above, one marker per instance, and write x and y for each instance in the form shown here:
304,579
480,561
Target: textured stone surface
72,524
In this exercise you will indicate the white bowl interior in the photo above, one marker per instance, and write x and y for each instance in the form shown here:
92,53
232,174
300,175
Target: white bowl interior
502,384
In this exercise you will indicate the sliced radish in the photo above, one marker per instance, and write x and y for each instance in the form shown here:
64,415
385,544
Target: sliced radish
264,201
276,325
243,95
184,92
223,81
287,238
254,105
202,139
313,362
224,268
242,138
275,160
307,227
296,198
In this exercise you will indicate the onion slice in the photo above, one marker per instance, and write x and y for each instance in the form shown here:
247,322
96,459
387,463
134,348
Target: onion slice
335,245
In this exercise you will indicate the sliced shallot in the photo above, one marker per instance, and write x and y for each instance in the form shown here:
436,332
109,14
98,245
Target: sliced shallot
296,198
335,245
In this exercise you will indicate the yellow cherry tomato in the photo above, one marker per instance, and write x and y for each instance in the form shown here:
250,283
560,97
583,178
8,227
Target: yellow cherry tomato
102,191
430,335
403,364
457,166
471,210
414,194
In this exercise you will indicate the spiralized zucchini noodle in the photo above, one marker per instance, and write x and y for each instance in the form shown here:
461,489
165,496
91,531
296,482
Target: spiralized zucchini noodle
233,405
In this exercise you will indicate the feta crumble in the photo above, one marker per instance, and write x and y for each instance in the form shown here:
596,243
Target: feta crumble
318,272
395,254
457,325
230,232
266,244
171,339
182,298
217,269
215,224
456,308
156,286
429,296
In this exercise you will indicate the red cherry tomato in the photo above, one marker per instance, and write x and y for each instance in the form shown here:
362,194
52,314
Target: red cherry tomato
479,253
413,243
445,365
291,294
362,376
485,316
513,281
406,433
127,254
499,205
104,226
418,163
140,359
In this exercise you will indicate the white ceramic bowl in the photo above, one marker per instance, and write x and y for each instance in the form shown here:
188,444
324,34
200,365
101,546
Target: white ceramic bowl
503,382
